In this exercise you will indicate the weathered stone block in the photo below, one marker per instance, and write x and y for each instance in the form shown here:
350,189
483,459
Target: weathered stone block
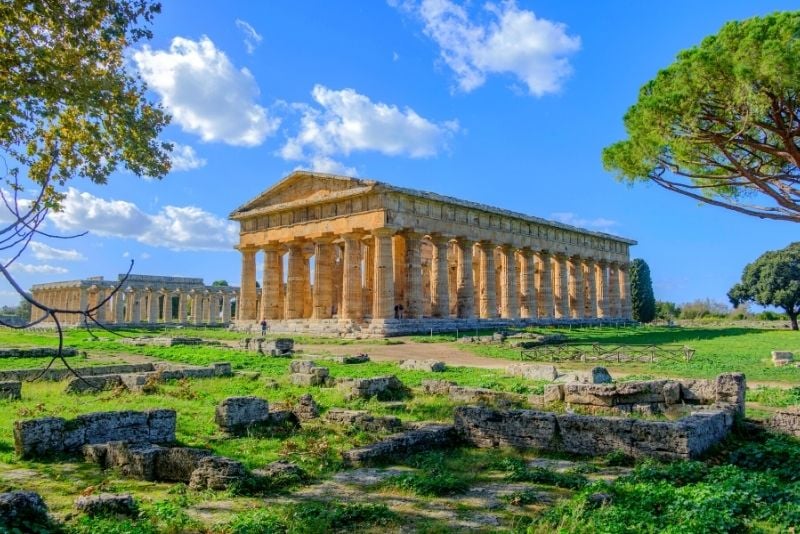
37,437
596,375
786,421
216,473
107,504
698,391
307,367
306,408
553,393
222,369
533,372
383,387
434,366
437,387
96,453
304,379
730,389
101,427
176,464
236,414
281,469
419,439
362,420
282,417
484,396
85,384
162,423
590,394
586,434
21,510
137,460
781,358
10,390
357,358
487,427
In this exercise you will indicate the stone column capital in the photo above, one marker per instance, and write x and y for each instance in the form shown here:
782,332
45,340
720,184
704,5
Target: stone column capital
383,232
525,252
464,242
440,239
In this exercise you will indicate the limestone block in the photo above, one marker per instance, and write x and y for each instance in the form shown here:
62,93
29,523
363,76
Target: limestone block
10,390
36,437
357,358
672,392
281,469
597,375
107,504
282,417
91,384
236,414
646,392
487,427
382,387
101,427
698,391
730,389
161,423
222,369
590,394
136,461
553,393
423,365
303,379
781,358
216,473
590,435
786,421
362,420
308,367
306,408
136,382
533,371
423,438
22,509
484,396
96,453
176,464
437,387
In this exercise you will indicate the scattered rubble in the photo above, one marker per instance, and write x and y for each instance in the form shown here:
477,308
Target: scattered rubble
362,420
382,387
114,504
308,373
434,366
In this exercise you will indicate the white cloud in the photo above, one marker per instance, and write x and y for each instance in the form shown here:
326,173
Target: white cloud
572,219
514,41
347,121
251,37
46,252
205,93
144,256
36,269
173,227
184,158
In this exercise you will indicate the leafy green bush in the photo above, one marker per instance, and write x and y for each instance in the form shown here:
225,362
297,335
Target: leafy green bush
431,483
773,396
518,471
777,455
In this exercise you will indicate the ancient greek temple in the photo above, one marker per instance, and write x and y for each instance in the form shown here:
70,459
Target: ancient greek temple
346,255
141,300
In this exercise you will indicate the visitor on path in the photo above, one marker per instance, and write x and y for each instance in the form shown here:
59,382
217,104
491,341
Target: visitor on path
263,327
396,311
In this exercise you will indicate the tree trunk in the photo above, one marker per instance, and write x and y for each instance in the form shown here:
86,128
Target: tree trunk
793,319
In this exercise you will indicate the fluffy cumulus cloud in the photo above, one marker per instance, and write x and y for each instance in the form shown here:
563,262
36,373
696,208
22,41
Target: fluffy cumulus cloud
512,41
345,121
251,37
174,227
599,223
205,93
184,158
46,252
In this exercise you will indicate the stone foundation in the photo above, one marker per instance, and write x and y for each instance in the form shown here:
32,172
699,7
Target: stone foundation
51,435
471,395
422,438
382,387
37,352
137,381
786,421
362,420
589,435
402,327
11,390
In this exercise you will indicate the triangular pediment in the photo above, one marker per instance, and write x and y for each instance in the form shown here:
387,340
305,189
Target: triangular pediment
303,187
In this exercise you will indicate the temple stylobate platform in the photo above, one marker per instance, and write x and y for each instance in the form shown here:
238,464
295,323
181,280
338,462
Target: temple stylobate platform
344,255
140,300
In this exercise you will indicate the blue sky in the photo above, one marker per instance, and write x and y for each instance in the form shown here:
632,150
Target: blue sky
508,104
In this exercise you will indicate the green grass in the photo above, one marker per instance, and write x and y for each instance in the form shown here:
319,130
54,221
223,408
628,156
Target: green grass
719,350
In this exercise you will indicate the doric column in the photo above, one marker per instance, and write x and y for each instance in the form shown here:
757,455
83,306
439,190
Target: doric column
167,305
226,308
488,287
440,289
197,306
544,285
213,308
577,305
119,307
625,292
368,296
351,283
83,296
383,296
248,295
590,289
413,308
271,284
510,304
601,270
152,306
308,299
400,277
182,306
466,289
295,282
323,279
614,307
527,285
562,286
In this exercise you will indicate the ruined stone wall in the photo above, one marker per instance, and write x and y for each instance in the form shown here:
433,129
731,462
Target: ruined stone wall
50,435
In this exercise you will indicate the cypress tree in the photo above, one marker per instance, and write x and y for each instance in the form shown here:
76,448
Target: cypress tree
643,301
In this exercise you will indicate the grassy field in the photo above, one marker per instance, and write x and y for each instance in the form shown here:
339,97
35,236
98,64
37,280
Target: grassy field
749,484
